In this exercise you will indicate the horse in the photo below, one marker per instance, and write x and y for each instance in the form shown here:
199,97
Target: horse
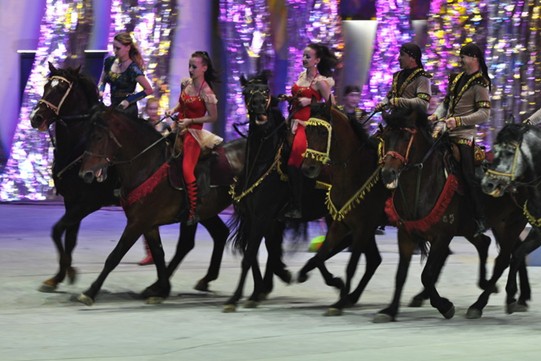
149,200
261,192
515,165
356,197
68,99
411,160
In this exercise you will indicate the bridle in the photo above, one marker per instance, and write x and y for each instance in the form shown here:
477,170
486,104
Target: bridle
56,108
404,159
252,94
507,176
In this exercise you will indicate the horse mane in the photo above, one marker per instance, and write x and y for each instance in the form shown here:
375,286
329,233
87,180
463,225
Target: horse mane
410,118
511,133
87,84
101,112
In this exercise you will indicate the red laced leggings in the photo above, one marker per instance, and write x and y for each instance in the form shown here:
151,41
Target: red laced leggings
192,150
298,147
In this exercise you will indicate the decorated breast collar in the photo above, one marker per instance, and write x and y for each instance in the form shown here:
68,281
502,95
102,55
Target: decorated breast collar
417,72
456,98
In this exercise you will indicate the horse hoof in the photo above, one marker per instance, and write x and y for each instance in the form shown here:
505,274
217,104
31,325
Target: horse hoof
473,313
202,286
382,318
450,313
251,304
331,311
85,299
48,286
516,307
154,300
72,275
229,308
263,296
416,302
301,278
286,277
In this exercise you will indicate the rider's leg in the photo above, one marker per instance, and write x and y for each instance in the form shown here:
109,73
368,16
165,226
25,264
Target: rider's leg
190,157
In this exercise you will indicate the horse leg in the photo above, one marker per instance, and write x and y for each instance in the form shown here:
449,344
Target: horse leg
406,246
275,265
418,299
373,260
67,226
518,264
257,294
158,293
439,252
327,250
219,233
130,235
249,259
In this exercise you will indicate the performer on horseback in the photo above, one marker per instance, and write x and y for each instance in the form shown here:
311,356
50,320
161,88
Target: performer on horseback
411,86
467,103
196,106
123,72
315,82
350,107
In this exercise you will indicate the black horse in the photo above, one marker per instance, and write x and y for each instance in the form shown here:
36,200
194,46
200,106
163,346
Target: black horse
68,99
355,199
261,193
516,165
412,161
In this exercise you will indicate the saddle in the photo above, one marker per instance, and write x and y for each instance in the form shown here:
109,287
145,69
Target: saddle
213,169
479,154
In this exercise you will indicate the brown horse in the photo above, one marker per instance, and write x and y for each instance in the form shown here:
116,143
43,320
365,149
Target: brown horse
140,155
412,161
67,101
355,199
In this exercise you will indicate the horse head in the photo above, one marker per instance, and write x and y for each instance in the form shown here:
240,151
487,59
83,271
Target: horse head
406,130
319,136
257,96
67,92
516,147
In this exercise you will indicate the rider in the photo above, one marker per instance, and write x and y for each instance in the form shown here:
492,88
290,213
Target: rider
350,106
467,103
123,72
196,105
533,119
315,82
411,86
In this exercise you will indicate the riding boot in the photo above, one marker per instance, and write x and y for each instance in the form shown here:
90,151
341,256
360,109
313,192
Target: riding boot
148,258
480,218
191,192
295,183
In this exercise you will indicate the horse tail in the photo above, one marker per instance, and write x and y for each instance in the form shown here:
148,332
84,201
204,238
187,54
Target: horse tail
237,225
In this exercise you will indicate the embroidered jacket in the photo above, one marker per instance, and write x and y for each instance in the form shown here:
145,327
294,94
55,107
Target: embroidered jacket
412,88
535,118
468,101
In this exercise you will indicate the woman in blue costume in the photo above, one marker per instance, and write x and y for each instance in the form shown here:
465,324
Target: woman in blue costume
123,72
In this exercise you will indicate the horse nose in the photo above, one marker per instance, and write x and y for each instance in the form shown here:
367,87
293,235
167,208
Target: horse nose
488,186
36,120
388,175
311,171
88,176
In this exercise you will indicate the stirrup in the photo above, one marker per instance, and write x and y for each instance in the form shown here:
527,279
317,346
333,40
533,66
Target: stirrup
193,219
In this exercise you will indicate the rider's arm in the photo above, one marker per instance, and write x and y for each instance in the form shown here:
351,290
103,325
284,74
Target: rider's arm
482,108
535,118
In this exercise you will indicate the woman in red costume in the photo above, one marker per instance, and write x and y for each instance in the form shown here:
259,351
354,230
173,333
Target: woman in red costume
196,106
315,82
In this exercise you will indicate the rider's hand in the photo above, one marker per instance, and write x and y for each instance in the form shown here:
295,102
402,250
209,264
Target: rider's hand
439,128
451,123
304,101
432,117
124,104
183,123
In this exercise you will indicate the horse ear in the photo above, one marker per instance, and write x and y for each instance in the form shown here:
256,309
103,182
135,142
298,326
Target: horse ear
266,75
52,69
77,70
243,80
510,119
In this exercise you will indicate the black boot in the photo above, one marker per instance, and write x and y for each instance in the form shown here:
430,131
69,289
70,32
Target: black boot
294,175
479,213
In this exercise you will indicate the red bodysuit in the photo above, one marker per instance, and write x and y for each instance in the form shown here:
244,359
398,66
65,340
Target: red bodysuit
301,115
191,106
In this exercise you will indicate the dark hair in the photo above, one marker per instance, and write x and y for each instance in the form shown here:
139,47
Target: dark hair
351,88
327,59
210,75
473,50
414,51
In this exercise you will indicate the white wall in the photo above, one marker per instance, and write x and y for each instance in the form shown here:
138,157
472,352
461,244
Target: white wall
19,26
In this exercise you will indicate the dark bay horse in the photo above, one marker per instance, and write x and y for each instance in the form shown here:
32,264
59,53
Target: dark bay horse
141,156
356,197
261,192
414,162
516,164
67,101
